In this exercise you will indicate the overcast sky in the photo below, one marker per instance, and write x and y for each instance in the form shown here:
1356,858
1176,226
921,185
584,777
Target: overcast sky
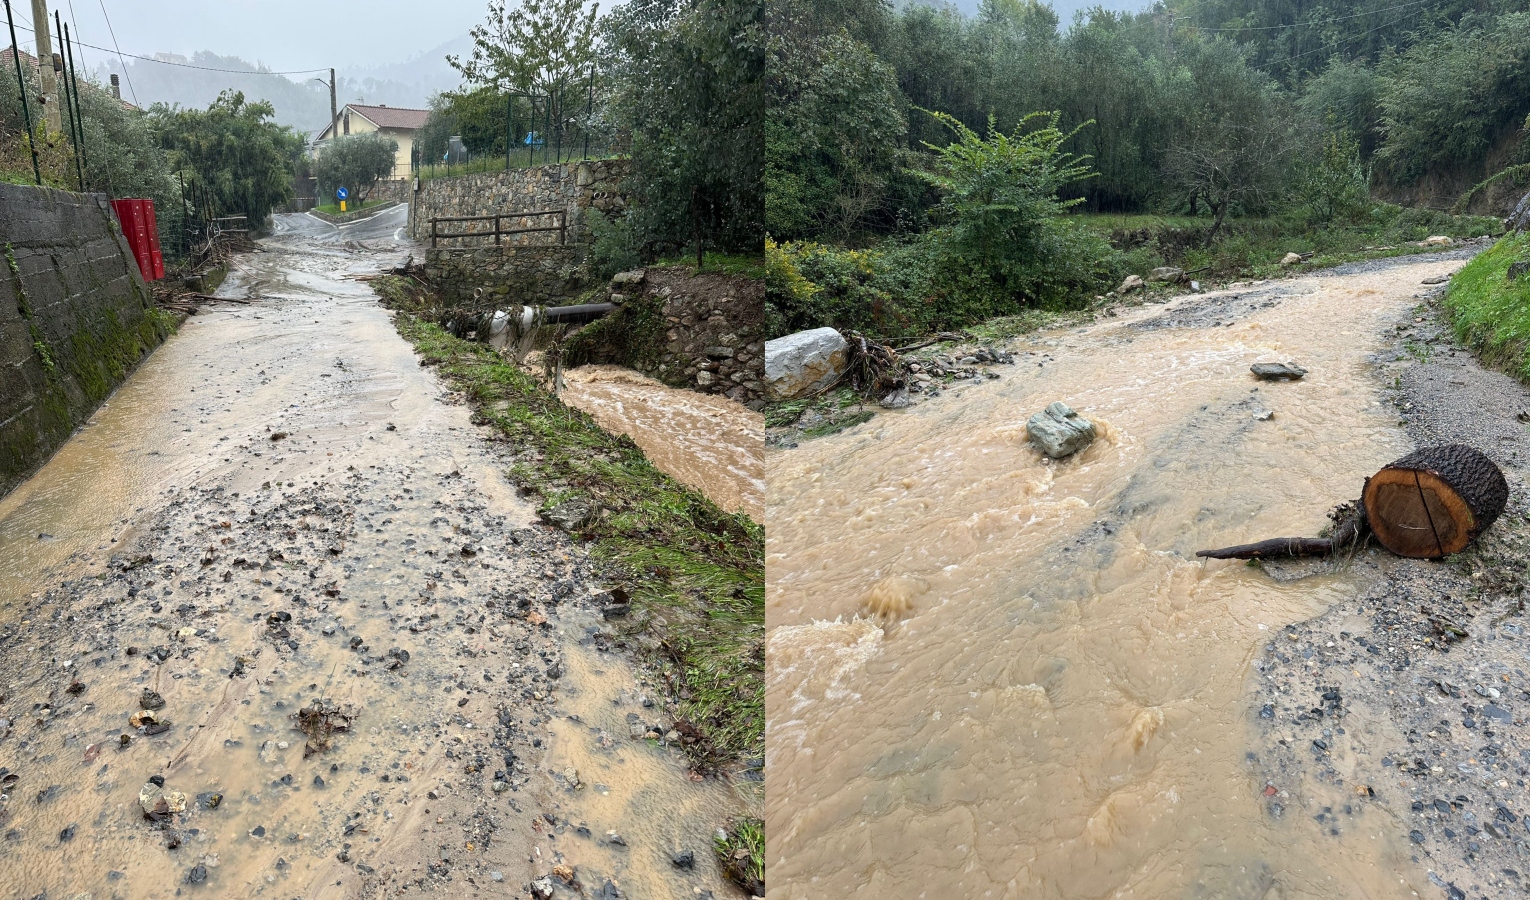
284,34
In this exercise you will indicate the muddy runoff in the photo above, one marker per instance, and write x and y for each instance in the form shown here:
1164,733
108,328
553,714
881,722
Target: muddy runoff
996,675
282,573
704,441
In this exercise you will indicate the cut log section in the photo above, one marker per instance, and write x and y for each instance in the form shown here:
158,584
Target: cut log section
1429,504
1434,501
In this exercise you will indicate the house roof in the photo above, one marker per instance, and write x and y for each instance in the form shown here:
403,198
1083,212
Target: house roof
396,117
392,116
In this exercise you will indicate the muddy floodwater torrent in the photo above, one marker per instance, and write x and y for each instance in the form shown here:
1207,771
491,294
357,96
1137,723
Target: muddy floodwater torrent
996,675
705,441
279,511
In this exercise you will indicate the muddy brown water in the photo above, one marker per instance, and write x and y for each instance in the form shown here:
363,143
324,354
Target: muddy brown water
995,675
380,522
705,441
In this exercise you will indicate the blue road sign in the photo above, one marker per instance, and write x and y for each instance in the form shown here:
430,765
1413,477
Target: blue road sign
341,193
533,139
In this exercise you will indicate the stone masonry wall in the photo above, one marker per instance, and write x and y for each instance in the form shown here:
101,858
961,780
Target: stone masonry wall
531,268
704,332
506,276
75,318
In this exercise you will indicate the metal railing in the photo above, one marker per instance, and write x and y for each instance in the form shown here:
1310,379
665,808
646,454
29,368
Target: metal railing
499,231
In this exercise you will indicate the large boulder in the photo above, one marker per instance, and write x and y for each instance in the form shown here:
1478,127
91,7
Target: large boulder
1059,431
1519,219
801,363
1171,274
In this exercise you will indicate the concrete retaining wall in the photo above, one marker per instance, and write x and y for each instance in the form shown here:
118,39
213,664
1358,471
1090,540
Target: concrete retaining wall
75,318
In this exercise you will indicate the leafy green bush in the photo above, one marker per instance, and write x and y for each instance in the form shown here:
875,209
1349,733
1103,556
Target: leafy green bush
1334,185
615,247
1003,231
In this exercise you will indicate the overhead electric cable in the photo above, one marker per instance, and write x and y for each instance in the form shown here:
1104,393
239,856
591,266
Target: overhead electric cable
113,33
165,62
1318,22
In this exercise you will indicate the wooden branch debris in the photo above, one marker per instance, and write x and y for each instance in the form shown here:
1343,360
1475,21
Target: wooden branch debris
1427,505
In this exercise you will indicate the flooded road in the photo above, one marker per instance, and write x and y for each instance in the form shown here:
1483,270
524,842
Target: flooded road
996,675
705,441
286,545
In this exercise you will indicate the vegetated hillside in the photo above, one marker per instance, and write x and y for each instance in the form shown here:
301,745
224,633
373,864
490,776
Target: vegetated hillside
302,104
926,168
1435,94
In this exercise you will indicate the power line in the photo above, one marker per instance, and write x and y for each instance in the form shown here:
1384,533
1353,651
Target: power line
113,33
76,20
165,62
1335,44
1318,22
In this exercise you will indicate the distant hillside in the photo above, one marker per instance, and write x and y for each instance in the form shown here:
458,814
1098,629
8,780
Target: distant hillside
303,105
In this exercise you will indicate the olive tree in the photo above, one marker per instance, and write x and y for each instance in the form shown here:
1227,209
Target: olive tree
355,162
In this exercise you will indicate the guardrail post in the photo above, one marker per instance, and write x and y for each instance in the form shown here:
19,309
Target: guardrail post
496,230
433,230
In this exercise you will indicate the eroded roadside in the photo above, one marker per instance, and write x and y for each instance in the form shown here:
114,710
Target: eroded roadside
1412,700
283,520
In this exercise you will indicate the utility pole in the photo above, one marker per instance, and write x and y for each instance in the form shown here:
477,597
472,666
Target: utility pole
52,116
334,115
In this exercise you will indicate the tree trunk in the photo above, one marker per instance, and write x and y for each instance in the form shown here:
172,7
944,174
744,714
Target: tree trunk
1434,501
1219,210
1429,504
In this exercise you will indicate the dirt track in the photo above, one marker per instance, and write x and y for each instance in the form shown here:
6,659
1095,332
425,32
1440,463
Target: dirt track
281,510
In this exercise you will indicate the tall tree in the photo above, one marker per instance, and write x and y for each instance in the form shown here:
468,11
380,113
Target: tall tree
689,80
538,47
234,150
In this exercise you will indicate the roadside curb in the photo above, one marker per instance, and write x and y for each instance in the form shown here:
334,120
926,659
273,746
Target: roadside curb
347,217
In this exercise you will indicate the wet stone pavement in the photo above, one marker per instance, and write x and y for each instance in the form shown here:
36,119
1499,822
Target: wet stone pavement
275,625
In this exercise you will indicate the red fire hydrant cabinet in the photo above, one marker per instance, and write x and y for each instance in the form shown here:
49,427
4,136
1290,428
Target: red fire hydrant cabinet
142,233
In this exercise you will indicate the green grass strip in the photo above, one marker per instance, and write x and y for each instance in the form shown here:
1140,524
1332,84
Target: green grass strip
1491,312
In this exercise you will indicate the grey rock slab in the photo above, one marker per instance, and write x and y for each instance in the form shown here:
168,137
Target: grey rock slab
1058,431
898,399
1277,371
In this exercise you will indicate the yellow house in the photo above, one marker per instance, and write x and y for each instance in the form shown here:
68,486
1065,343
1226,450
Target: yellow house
393,122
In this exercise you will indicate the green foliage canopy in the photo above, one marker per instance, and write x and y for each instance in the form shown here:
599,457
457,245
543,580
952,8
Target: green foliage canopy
355,162
234,150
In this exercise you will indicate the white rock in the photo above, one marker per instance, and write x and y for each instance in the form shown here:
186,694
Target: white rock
1438,240
1132,283
1166,273
1290,259
1059,431
801,363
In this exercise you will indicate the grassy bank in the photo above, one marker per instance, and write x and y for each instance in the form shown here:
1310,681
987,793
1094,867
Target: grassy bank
695,573
902,289
1491,311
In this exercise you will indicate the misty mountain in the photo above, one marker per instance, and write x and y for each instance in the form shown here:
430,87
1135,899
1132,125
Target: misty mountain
303,105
